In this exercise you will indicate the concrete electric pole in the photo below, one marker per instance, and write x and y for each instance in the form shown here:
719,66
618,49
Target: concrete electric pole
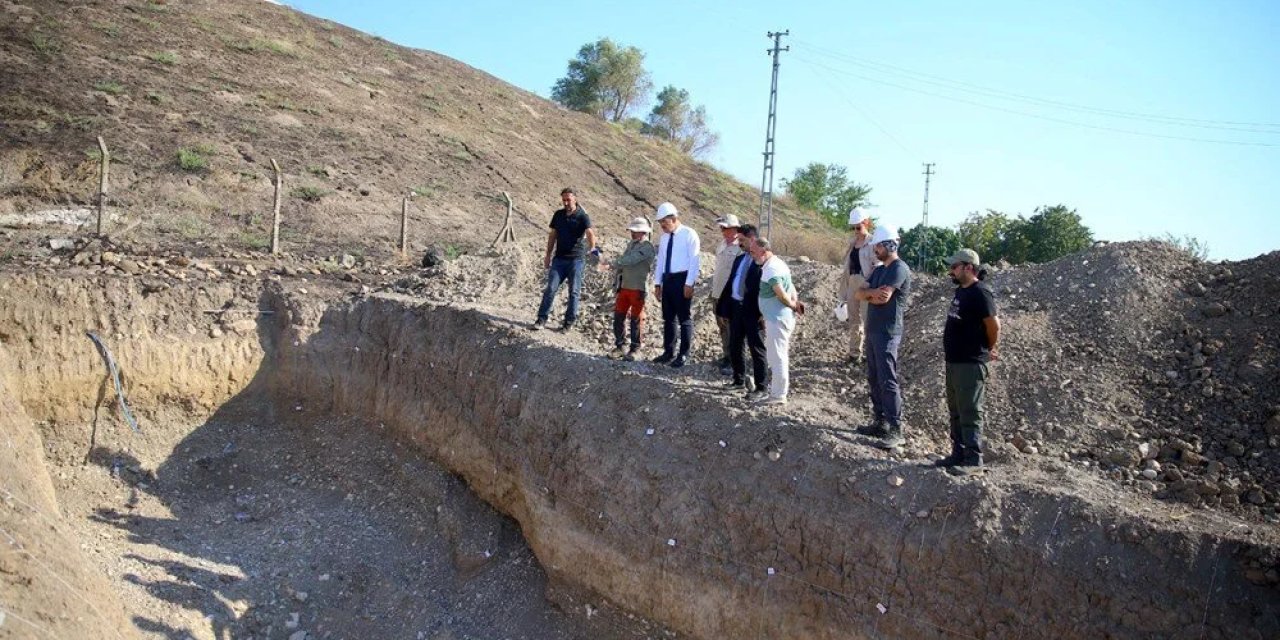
766,181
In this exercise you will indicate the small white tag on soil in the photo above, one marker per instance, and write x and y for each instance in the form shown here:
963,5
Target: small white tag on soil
881,608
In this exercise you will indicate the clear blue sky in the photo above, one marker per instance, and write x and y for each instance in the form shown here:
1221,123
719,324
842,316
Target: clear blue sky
883,87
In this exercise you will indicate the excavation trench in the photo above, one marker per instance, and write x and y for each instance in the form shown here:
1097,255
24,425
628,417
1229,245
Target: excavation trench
633,495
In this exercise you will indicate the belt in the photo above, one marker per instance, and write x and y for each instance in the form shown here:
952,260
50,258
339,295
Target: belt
677,274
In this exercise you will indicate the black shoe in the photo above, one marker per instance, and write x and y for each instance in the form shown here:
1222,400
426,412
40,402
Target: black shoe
539,325
678,362
877,430
737,383
756,395
892,439
566,327
664,358
949,461
970,464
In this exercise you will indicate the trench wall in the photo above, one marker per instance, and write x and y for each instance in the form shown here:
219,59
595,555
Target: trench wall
673,526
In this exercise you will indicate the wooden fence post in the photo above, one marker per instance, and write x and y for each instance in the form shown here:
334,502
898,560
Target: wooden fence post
275,215
404,227
102,182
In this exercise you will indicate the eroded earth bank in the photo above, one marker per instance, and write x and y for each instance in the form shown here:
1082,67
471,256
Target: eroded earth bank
303,450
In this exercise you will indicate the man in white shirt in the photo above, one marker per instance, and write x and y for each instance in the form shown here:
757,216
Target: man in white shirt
726,252
674,274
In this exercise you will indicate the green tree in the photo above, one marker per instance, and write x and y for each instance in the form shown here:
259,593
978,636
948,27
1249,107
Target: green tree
986,233
1055,232
826,188
927,248
674,120
605,79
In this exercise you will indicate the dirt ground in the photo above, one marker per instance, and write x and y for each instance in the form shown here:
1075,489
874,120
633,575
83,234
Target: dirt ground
253,525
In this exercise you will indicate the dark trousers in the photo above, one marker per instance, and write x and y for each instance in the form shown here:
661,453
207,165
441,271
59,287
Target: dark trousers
677,314
562,270
745,335
966,386
882,377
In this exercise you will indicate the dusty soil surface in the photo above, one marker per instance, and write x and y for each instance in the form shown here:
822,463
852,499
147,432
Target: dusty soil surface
355,122
252,525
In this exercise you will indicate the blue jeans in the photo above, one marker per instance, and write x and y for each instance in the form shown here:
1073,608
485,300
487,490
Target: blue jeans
882,377
562,269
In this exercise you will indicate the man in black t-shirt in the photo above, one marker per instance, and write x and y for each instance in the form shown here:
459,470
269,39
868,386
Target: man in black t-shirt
570,239
969,341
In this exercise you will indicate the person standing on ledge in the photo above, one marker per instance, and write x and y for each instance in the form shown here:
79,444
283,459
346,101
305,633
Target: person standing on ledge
727,251
633,285
859,262
674,275
969,342
780,305
887,294
570,239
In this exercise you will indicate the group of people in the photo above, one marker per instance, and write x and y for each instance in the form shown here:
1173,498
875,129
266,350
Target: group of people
757,306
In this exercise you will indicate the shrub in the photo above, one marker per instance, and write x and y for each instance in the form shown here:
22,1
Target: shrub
308,193
192,160
109,87
165,57
44,43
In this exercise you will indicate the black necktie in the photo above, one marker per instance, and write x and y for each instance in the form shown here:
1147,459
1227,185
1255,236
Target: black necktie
671,240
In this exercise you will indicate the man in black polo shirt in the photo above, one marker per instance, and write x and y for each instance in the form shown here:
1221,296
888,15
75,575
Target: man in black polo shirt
564,258
969,341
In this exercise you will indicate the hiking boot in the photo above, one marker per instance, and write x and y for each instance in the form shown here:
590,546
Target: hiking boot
951,460
666,357
892,439
618,353
539,325
879,429
970,464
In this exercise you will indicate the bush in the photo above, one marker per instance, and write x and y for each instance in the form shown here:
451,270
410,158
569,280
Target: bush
192,160
165,57
109,87
308,193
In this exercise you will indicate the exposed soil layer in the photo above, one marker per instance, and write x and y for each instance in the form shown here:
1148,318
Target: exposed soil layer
653,491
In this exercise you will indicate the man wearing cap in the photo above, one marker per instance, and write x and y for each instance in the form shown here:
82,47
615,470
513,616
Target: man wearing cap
969,342
675,272
779,304
564,257
740,302
633,284
859,262
887,293
726,252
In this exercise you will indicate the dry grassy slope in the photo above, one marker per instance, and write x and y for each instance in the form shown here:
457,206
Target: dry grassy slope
344,112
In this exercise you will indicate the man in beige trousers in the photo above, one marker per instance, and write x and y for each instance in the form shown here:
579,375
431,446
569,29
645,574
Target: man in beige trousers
859,262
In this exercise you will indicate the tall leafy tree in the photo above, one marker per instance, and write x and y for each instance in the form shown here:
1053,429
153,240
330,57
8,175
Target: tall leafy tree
827,189
927,248
673,119
1055,232
605,79
986,233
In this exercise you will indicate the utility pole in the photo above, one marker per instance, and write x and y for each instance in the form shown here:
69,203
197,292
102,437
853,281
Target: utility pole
924,235
766,180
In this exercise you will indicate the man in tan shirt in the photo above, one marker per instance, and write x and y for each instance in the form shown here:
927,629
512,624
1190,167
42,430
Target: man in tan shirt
859,262
726,251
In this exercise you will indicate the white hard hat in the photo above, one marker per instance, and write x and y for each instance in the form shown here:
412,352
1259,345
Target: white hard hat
857,216
884,232
666,210
640,224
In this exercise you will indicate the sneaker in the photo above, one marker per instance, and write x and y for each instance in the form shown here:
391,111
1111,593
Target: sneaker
539,325
664,358
773,400
678,362
632,355
618,353
566,327
757,395
951,460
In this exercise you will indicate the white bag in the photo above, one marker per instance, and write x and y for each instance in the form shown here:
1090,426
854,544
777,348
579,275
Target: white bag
842,312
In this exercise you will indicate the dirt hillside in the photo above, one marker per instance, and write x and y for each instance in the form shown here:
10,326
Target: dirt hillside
194,98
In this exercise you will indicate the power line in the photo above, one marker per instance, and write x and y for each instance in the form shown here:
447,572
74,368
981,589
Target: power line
1076,123
853,104
927,78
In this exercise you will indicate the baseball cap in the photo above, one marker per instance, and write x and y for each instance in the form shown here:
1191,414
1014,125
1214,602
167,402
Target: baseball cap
968,256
